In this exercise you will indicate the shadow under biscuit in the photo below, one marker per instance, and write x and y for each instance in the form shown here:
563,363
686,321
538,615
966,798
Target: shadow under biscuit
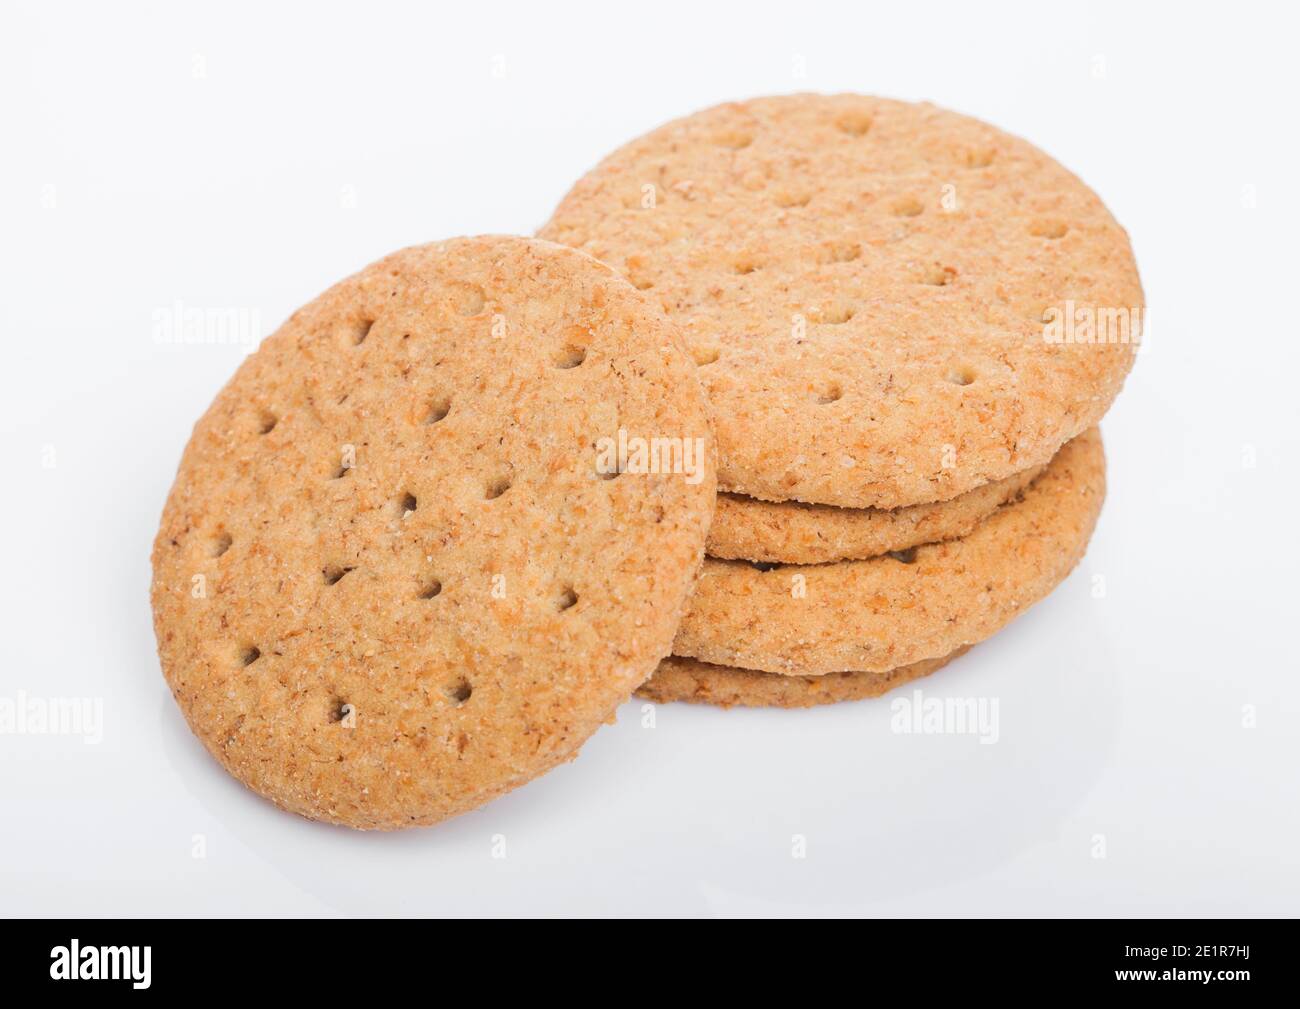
887,801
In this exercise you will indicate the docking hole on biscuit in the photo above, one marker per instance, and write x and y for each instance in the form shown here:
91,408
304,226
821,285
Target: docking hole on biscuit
788,198
1049,228
833,315
460,691
570,357
962,374
469,299
838,252
496,487
705,355
638,273
746,264
220,544
266,422
407,504
431,589
355,332
907,556
249,654
334,573
340,710
736,139
937,276
828,393
855,124
438,409
908,206
567,599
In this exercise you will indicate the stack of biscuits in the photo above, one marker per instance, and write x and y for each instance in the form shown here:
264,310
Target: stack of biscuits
423,545
896,314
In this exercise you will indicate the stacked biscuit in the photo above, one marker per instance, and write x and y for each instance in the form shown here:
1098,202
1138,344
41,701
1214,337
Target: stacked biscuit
457,508
882,300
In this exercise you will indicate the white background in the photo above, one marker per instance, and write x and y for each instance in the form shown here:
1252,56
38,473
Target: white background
152,155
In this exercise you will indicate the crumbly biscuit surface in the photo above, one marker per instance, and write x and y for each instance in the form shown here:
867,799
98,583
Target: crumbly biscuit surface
878,614
868,286
390,582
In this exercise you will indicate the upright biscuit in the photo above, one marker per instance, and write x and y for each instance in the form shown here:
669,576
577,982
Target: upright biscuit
679,679
791,532
879,614
877,291
393,579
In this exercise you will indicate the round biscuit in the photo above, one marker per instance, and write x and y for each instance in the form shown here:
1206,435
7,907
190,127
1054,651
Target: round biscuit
891,303
392,579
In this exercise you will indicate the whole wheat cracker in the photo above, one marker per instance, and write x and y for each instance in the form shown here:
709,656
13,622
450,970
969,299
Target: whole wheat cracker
878,614
874,290
392,580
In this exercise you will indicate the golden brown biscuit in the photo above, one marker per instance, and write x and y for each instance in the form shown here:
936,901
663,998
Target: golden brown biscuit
679,679
791,532
874,290
391,582
879,614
